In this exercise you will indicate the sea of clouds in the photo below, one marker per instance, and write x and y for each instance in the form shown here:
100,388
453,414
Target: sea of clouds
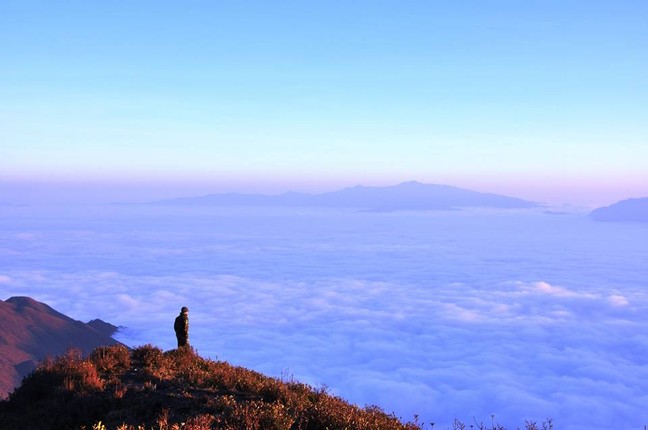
520,315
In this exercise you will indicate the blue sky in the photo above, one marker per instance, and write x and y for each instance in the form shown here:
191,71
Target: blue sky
543,100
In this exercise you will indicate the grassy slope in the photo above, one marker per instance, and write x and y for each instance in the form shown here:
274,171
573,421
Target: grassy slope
152,389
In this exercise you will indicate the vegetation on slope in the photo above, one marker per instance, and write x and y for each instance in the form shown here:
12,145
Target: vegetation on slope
115,388
147,388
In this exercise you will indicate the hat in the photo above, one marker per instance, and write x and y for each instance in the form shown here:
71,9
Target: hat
184,310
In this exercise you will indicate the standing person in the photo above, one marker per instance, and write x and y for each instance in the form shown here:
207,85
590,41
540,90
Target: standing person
181,327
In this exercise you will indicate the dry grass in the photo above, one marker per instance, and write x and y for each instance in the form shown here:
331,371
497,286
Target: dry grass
150,389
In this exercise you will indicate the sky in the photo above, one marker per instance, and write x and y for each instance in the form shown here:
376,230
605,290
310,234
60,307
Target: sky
123,100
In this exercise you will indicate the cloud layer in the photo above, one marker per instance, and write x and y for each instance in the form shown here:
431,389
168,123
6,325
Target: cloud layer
441,315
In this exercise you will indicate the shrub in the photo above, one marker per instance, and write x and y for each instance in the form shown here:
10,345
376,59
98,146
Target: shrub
111,360
148,357
69,372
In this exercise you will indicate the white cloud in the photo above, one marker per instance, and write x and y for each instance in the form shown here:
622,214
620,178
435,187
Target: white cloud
552,290
618,300
544,287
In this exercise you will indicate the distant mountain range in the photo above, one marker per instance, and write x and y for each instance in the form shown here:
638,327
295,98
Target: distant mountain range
32,331
631,210
406,196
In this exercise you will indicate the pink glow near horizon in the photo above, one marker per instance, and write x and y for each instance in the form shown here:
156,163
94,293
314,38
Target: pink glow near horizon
554,192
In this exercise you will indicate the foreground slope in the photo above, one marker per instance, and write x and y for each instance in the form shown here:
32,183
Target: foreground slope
148,388
32,330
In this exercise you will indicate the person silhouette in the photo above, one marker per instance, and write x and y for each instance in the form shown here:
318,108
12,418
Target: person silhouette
181,327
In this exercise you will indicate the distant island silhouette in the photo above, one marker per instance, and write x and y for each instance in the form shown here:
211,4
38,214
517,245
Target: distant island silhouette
630,210
408,196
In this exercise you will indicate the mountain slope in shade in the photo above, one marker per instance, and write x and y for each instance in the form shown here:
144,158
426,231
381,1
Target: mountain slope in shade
406,196
631,210
32,331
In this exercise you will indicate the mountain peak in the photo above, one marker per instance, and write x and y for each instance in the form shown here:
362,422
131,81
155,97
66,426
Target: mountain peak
23,301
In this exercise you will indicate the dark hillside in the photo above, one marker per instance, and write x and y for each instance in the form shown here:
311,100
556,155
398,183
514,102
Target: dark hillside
32,330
